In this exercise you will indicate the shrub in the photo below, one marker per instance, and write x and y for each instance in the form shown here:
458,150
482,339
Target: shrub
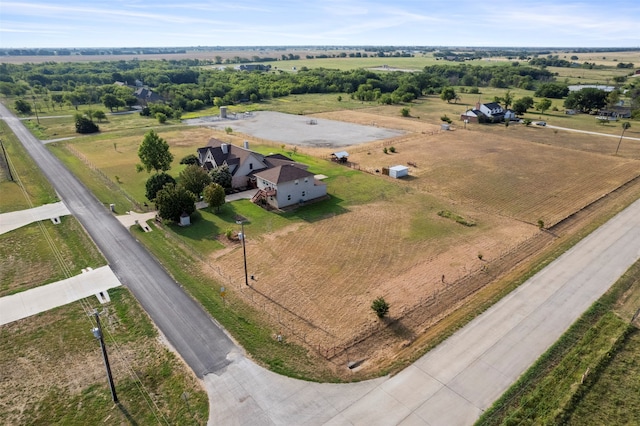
85,125
380,307
162,117
385,150
392,149
190,159
405,112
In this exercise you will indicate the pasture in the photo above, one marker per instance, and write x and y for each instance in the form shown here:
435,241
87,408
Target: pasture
317,271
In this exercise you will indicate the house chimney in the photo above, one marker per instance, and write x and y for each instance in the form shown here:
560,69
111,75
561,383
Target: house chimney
246,145
225,148
478,106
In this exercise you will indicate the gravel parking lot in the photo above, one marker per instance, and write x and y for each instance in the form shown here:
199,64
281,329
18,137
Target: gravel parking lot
298,129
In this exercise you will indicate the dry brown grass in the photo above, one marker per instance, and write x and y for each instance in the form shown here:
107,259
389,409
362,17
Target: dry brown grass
320,278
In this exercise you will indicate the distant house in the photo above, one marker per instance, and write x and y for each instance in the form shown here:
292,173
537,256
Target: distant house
242,162
492,110
286,185
146,96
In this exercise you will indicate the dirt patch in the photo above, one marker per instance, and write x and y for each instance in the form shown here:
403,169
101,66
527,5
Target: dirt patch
315,282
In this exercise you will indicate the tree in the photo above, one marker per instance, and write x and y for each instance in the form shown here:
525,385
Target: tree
543,105
111,101
586,100
625,126
380,307
221,176
22,106
448,94
100,115
213,195
154,153
173,200
194,178
552,90
85,125
507,99
520,106
155,183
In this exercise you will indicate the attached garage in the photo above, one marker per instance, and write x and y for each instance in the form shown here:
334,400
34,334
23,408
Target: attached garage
398,171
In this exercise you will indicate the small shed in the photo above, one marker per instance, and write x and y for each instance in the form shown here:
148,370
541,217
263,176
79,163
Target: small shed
340,156
185,219
398,171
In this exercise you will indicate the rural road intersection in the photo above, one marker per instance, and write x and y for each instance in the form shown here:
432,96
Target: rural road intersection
451,385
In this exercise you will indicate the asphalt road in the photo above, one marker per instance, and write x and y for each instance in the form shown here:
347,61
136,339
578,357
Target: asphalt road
188,328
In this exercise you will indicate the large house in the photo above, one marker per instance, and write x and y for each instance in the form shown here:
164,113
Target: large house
287,185
491,112
242,162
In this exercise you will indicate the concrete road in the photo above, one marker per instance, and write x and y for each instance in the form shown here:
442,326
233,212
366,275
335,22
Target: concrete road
454,383
190,330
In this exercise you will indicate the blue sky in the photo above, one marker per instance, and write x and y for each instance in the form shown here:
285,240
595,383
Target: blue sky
116,23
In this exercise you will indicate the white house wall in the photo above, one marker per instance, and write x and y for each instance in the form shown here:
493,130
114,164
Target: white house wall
290,193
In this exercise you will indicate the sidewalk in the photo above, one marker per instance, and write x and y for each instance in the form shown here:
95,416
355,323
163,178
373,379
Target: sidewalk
14,220
40,299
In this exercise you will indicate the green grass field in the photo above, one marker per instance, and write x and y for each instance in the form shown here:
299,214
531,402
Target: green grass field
53,371
21,189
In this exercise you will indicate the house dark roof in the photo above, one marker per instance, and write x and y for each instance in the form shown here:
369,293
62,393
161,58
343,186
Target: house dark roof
275,160
286,173
145,94
233,157
493,105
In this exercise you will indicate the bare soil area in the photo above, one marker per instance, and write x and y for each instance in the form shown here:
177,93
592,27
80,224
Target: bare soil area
316,281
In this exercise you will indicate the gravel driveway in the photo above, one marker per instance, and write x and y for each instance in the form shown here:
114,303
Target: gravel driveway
298,129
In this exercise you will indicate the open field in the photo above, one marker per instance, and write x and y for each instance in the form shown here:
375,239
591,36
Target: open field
380,237
53,373
42,253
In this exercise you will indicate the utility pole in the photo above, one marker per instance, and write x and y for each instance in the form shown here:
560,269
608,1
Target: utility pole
97,332
244,252
35,108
